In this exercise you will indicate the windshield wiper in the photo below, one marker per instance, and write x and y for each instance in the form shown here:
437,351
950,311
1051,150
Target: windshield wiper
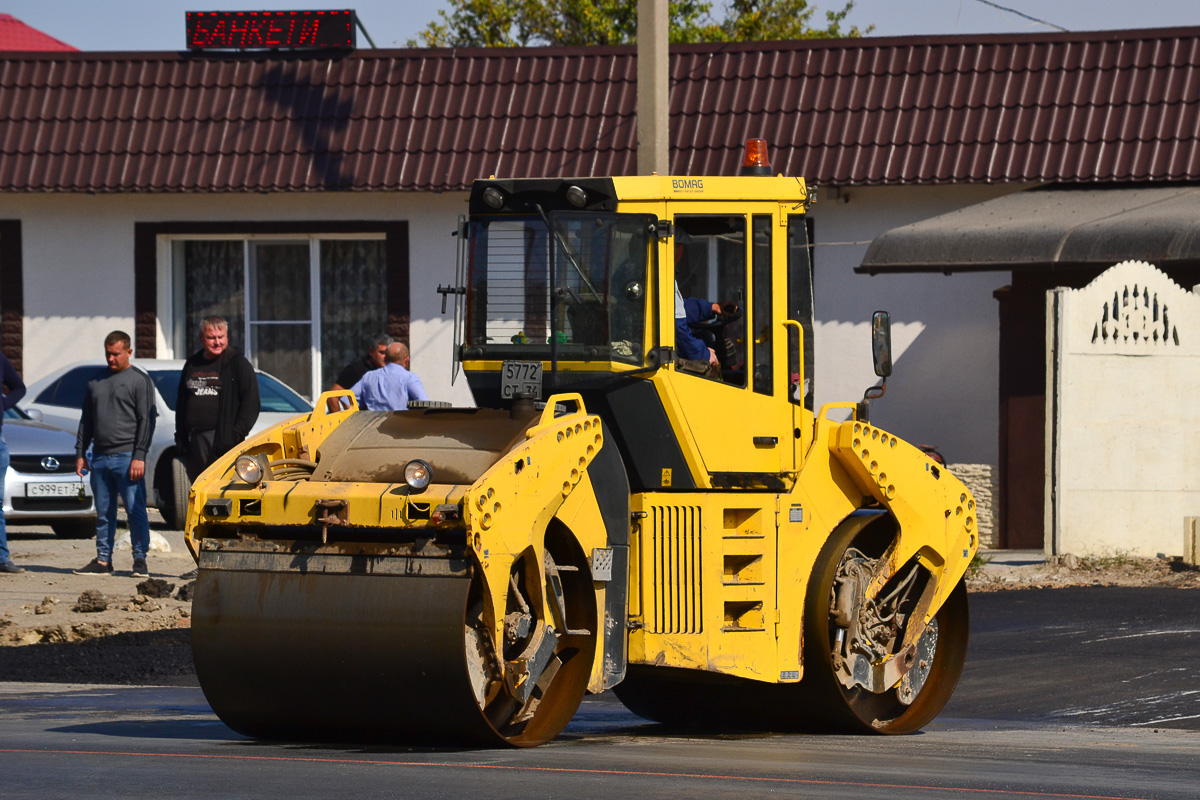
571,257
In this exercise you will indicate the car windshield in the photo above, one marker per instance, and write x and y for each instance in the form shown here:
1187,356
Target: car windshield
14,413
276,396
273,396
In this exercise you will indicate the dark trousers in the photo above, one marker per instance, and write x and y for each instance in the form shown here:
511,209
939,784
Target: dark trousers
200,453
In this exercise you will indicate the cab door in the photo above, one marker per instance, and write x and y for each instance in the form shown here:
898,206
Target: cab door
740,421
798,314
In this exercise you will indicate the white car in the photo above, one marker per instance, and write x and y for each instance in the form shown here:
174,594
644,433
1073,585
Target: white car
58,398
40,486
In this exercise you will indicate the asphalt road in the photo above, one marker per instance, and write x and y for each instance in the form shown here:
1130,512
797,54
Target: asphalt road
1067,693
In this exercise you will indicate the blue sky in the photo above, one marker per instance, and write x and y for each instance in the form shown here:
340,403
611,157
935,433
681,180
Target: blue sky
159,24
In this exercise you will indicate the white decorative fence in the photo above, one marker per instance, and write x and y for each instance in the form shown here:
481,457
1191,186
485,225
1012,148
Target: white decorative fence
1122,414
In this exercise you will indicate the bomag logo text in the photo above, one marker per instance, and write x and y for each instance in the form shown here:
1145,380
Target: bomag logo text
687,184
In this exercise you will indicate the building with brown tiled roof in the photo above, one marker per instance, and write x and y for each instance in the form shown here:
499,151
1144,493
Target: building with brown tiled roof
1108,107
150,189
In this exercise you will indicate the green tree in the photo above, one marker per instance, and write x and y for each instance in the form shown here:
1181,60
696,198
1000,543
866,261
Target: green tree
771,20
522,23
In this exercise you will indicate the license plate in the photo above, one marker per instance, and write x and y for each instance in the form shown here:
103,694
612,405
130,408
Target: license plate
53,489
521,376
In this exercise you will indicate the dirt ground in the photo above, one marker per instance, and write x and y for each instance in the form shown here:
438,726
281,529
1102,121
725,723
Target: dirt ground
52,628
60,627
43,604
1004,570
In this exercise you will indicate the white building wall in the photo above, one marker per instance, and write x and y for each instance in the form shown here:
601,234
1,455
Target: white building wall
1121,456
79,266
945,328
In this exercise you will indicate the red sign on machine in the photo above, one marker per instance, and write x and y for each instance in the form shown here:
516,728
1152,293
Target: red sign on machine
270,30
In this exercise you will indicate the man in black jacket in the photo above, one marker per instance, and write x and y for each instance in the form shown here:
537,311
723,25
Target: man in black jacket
218,399
351,374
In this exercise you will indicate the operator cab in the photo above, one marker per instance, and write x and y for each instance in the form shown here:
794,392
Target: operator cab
570,285
568,278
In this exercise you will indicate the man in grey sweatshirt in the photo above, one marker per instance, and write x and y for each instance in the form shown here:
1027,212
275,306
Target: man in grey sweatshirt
118,420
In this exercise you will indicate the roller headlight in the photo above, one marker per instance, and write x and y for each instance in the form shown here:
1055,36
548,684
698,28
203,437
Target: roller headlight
418,475
249,469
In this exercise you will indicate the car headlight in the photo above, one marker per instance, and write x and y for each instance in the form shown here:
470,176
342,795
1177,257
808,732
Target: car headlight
418,474
250,469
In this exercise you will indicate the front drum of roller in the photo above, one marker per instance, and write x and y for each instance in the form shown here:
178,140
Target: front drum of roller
319,650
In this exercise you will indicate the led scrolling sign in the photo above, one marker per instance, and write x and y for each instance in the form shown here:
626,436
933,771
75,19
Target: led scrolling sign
259,30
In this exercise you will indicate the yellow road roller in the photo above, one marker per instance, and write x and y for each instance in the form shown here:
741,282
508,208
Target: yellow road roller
643,499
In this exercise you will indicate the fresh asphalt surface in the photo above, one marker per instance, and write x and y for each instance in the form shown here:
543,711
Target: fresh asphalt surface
1090,692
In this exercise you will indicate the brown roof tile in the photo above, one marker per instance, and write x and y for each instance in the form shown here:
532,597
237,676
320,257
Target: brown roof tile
1084,107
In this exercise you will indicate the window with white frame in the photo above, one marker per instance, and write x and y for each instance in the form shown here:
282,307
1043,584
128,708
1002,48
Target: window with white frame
299,307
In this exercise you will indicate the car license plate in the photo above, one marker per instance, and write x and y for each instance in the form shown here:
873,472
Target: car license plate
53,489
521,376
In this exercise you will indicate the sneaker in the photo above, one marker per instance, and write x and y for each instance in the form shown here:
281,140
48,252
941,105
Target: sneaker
10,568
94,567
190,576
139,568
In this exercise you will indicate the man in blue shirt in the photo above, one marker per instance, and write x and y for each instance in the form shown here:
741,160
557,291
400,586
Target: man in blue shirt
687,343
392,386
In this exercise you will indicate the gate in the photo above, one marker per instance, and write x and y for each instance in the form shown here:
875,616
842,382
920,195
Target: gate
1122,414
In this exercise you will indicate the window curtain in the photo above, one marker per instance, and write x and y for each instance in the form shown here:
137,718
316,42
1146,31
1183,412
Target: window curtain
214,285
280,322
353,301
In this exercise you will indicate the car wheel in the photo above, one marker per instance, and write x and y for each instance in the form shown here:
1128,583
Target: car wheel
74,528
176,515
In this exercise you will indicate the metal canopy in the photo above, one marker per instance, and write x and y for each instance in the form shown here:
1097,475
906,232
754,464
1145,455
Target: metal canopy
1048,227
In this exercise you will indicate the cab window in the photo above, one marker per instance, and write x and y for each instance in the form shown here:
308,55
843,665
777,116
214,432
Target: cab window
761,316
710,269
575,280
800,309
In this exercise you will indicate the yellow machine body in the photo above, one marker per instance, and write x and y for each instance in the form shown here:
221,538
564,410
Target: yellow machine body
679,536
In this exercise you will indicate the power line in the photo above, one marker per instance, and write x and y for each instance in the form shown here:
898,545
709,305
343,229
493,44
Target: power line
1022,14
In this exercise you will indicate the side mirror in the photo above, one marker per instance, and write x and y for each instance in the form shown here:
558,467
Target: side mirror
881,343
34,414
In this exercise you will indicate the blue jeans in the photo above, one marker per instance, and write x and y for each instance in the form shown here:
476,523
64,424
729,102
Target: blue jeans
110,479
3,470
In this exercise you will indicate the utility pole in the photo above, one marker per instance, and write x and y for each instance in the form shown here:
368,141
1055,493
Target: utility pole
653,78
